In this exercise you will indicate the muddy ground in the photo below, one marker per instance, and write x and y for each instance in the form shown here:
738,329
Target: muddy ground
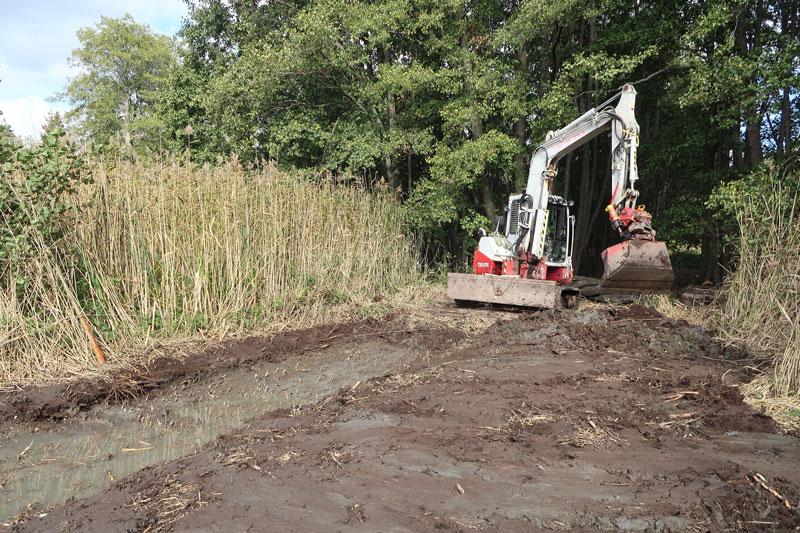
601,418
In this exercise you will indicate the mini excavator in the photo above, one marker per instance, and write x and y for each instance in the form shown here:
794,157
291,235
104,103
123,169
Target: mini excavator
531,264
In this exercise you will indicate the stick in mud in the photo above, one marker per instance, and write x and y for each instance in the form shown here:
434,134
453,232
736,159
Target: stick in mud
100,357
761,480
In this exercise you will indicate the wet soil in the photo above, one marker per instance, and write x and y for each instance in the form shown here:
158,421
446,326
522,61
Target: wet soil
47,460
38,406
601,418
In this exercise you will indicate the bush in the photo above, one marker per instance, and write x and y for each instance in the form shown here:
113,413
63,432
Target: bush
37,185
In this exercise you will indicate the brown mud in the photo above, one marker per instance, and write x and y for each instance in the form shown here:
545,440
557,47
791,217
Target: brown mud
602,418
56,402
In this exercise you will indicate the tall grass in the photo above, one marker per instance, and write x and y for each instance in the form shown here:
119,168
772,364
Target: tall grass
166,250
761,310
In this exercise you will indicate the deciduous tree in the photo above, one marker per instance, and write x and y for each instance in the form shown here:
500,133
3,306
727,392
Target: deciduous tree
123,67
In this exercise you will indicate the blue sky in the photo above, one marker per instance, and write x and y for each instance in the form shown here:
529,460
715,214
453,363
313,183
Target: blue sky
36,39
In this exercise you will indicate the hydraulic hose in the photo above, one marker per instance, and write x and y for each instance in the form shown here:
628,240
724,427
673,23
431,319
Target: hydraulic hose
615,116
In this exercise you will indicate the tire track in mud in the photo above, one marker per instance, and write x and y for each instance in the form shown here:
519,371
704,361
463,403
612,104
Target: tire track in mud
216,392
604,418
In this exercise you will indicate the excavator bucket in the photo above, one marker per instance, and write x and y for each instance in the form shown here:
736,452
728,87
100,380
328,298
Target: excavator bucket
636,267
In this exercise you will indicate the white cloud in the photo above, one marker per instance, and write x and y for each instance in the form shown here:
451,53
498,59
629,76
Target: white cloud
37,37
26,115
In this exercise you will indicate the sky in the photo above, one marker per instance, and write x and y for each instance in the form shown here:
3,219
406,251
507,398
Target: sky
37,38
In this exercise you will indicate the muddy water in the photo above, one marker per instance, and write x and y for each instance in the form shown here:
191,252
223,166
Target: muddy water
77,461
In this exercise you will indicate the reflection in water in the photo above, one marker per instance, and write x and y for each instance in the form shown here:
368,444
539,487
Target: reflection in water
50,467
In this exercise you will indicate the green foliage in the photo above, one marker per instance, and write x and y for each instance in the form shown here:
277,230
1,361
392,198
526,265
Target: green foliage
733,198
124,67
748,61
446,100
35,189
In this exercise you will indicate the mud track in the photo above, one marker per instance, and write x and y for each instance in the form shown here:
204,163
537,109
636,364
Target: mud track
603,418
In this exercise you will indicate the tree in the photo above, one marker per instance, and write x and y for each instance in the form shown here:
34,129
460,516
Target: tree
124,66
214,38
447,100
403,89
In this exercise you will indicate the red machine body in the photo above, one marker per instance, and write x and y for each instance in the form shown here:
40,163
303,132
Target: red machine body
481,264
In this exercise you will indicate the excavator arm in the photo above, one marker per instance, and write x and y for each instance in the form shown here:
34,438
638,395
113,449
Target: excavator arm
544,163
639,263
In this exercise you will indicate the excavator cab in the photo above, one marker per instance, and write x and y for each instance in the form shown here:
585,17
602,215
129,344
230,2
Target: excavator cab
560,231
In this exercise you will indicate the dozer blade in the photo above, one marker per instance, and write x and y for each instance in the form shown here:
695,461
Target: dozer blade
636,267
508,290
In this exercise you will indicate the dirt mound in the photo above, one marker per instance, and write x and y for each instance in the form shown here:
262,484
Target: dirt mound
603,419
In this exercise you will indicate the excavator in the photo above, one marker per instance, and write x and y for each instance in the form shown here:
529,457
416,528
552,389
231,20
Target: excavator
530,265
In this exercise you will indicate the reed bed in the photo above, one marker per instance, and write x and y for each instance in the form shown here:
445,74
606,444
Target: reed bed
758,308
761,308
166,250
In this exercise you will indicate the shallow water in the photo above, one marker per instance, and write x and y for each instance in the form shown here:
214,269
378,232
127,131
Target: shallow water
83,457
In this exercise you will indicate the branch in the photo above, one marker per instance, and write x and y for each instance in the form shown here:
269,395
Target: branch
656,73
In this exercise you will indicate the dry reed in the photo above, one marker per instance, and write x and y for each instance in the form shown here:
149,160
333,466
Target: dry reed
758,308
168,250
761,308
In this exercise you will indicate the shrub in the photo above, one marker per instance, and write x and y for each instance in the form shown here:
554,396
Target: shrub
37,186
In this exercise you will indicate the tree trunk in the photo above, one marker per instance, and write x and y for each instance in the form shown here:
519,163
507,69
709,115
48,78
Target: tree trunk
588,167
520,128
583,216
409,170
785,126
601,186
554,66
738,162
392,172
753,154
706,258
657,119
710,268
127,121
476,129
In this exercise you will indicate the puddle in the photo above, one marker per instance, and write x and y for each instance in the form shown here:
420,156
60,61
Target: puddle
80,460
